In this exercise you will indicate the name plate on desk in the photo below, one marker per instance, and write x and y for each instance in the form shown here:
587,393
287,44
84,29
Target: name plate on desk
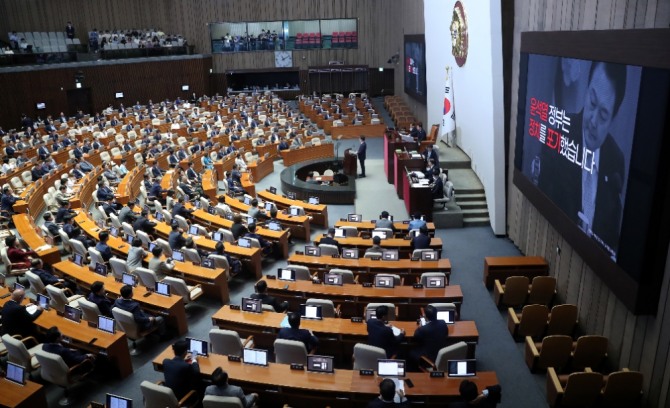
271,277
233,358
335,256
234,307
414,258
437,374
366,372
367,284
418,286
299,367
356,319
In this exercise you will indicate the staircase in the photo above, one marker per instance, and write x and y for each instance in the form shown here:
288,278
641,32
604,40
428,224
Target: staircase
473,205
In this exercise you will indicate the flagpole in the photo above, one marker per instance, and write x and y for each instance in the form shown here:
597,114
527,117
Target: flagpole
448,111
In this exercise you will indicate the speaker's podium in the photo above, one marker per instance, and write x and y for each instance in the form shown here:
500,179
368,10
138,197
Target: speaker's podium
349,163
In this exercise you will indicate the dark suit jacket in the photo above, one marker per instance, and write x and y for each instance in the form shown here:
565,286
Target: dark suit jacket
17,320
431,338
181,376
268,300
289,333
104,304
176,240
421,241
432,155
362,148
438,188
70,356
378,403
380,335
561,181
239,230
330,241
133,307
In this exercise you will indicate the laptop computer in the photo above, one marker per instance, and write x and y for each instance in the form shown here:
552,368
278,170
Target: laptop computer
255,356
268,206
320,364
199,347
251,220
129,239
390,255
100,269
113,231
384,281
106,324
380,234
159,216
313,200
115,401
43,301
252,305
16,373
244,243
193,230
286,274
354,217
311,312
72,313
274,226
152,245
391,368
295,211
340,233
312,250
350,253
78,259
462,368
333,279
178,256
211,210
217,236
128,279
19,286
429,256
291,195
448,316
162,288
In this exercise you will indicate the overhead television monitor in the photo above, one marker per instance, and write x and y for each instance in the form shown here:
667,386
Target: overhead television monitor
414,67
184,87
591,132
118,95
41,105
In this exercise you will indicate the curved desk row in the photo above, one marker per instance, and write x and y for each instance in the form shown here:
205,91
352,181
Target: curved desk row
367,226
404,246
318,212
322,151
299,224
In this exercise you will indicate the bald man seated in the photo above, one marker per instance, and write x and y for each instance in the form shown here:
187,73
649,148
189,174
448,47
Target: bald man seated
15,317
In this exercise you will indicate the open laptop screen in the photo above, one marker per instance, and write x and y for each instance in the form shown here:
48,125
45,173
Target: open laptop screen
252,305
196,346
320,364
286,274
16,373
101,269
43,301
390,255
78,259
178,256
72,313
435,282
106,324
268,206
208,263
159,216
255,356
244,243
274,226
339,233
128,279
193,230
217,236
163,288
313,200
390,368
295,211
311,312
429,256
462,368
114,401
380,234
113,231
312,250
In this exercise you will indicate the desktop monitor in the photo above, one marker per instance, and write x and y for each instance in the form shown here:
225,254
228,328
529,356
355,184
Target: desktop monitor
390,255
208,263
370,314
244,242
251,220
128,279
162,288
312,250
462,368
43,301
100,269
252,305
217,236
333,279
350,253
106,324
129,239
211,209
16,373
294,211
274,226
449,316
380,234
118,95
384,281
311,312
291,195
340,233
72,313
255,356
354,217
193,230
19,286
198,205
247,200
113,231
115,401
429,256
390,368
273,190
268,206
152,245
159,216
178,256
286,274
313,200
230,216
320,364
199,347
435,281
78,259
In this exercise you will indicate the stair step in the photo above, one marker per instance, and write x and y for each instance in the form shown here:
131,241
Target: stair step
475,212
465,190
463,197
456,164
471,205
476,222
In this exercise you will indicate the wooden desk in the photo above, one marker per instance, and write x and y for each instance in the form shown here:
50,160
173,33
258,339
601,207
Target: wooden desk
213,281
130,185
318,212
172,307
353,298
418,198
270,148
209,183
402,161
30,395
261,168
322,151
216,221
401,227
392,142
28,231
403,245
277,384
299,225
337,337
502,267
367,268
114,346
354,131
248,184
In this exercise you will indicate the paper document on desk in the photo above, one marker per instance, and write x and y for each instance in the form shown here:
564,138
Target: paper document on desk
31,309
284,322
424,182
407,138
396,331
43,248
399,385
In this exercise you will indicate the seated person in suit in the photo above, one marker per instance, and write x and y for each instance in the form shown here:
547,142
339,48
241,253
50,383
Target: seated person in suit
489,397
160,266
19,257
136,254
104,193
384,221
422,240
376,246
144,321
182,372
176,239
180,209
142,223
238,229
64,211
416,222
8,200
102,246
296,333
15,318
256,212
48,278
261,288
99,297
70,356
234,263
78,235
437,189
429,338
380,334
221,388
50,224
387,393
267,247
330,239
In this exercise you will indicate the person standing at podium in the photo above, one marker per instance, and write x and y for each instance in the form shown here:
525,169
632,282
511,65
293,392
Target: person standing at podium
362,148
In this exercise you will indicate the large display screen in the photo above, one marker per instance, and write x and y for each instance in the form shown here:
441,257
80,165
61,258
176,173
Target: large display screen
592,129
415,67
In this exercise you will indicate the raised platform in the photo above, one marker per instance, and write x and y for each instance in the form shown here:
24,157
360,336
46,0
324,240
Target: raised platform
343,191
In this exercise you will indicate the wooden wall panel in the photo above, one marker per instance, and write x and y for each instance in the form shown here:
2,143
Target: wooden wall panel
138,81
637,342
